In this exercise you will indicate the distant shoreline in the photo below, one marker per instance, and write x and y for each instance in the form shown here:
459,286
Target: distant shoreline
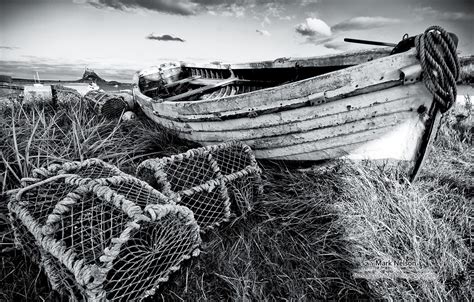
32,81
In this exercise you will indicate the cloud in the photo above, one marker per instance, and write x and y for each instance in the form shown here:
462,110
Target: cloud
8,47
174,7
164,38
359,23
337,45
318,32
314,27
233,10
428,11
263,32
230,8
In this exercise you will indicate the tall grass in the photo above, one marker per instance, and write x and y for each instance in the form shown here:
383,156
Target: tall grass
31,137
311,234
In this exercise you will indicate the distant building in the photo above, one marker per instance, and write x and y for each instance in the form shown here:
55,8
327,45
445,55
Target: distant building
5,79
90,76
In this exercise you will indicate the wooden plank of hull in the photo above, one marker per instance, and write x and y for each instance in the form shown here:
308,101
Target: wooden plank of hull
304,118
288,146
368,144
397,143
341,145
336,130
350,139
320,154
351,80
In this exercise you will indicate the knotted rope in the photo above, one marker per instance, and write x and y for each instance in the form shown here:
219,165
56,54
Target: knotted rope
437,53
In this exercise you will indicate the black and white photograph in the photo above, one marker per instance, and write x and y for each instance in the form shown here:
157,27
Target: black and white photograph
236,150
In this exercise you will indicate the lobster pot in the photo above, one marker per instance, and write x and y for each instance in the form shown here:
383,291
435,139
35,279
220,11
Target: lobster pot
100,234
209,180
93,168
64,96
109,105
24,239
240,172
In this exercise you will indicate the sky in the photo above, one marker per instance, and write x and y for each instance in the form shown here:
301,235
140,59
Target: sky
59,38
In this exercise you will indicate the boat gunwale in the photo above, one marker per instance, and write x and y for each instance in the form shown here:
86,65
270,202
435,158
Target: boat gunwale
291,62
185,103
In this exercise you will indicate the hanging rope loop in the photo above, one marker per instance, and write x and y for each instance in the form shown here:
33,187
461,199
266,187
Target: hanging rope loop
436,50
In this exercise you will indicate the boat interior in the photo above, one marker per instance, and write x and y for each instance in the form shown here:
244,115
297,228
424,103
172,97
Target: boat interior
191,83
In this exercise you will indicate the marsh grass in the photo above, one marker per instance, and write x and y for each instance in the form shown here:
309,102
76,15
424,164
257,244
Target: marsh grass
307,235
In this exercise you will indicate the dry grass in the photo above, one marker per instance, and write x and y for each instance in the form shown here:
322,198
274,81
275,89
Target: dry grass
308,234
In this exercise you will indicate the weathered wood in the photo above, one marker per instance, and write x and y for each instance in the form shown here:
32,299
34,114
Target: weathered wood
318,134
332,124
299,116
182,81
342,59
199,90
288,152
364,111
346,81
326,122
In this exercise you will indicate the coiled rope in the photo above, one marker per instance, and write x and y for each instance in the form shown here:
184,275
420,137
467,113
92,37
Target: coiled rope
439,61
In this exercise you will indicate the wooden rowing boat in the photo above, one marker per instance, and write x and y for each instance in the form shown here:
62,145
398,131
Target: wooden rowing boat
359,105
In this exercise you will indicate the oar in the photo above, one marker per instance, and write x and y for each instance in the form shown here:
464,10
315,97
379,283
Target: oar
377,43
405,44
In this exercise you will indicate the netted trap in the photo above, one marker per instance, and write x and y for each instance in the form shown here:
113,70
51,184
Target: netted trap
210,180
101,234
89,169
65,96
109,105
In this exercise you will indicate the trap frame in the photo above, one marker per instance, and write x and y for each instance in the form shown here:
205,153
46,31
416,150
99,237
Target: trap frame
99,233
211,181
107,104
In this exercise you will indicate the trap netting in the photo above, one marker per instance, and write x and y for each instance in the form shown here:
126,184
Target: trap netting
64,96
109,105
101,234
210,180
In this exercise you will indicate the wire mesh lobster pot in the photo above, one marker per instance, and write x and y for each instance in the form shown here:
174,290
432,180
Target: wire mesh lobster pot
101,234
110,105
211,181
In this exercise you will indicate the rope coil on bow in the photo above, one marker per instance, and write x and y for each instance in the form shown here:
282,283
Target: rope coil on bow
437,53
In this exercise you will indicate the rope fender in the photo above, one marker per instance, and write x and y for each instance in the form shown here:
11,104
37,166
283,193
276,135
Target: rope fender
436,51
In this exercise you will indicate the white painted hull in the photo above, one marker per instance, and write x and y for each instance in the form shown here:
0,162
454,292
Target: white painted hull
362,112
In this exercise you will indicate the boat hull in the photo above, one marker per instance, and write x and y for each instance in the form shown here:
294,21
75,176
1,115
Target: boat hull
376,110
381,125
